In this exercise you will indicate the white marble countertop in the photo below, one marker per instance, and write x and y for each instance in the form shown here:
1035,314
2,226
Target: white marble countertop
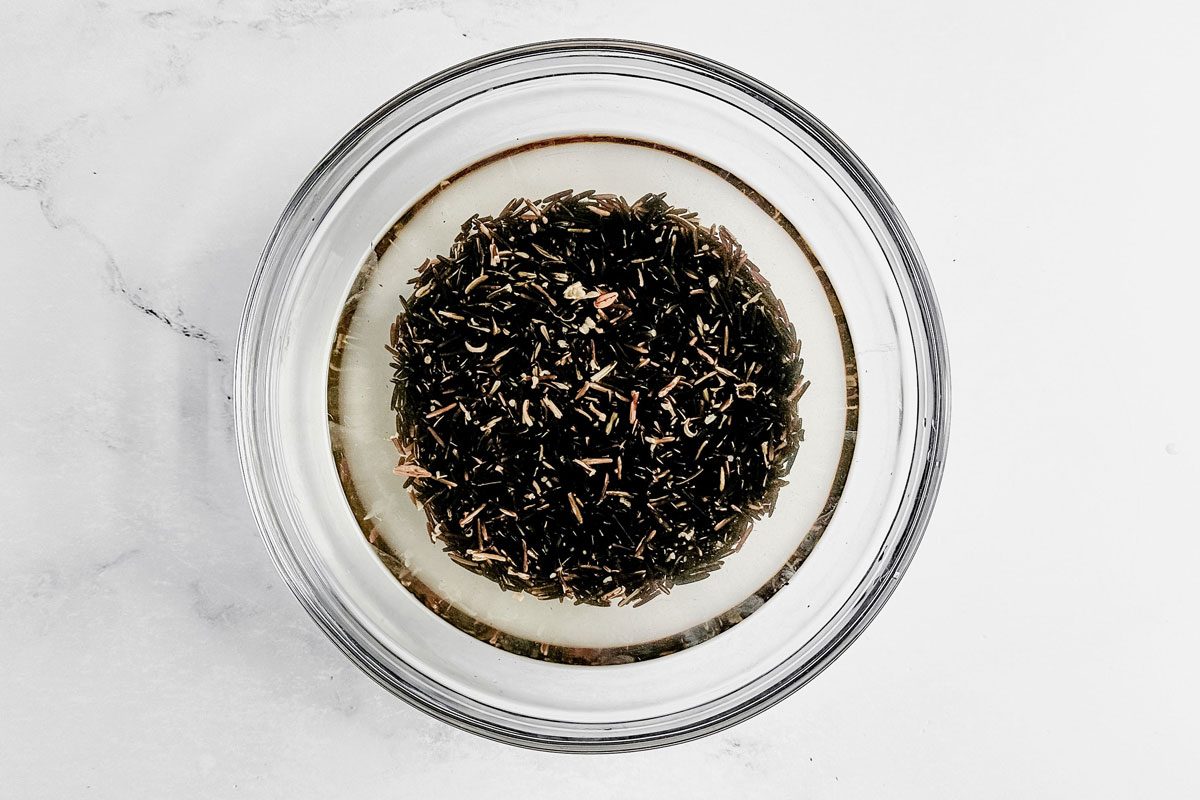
1044,642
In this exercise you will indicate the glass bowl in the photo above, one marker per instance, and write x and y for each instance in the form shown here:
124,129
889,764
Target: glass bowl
627,116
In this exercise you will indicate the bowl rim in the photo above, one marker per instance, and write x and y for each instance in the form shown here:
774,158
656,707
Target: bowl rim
923,479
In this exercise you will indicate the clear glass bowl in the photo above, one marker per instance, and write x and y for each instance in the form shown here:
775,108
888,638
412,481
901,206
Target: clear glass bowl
896,387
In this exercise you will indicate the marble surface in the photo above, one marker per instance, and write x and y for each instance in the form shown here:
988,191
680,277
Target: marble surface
1044,642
